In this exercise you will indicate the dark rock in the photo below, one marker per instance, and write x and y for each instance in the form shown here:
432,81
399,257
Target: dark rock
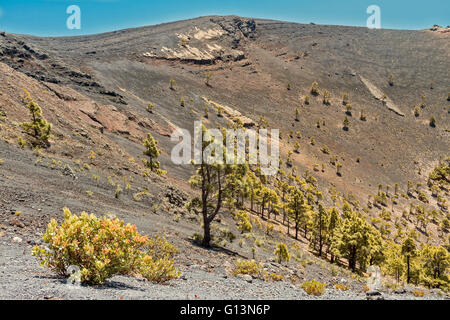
400,291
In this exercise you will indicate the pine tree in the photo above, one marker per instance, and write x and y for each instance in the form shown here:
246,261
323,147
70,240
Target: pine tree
315,89
345,99
391,80
409,251
38,127
152,152
282,253
346,124
300,211
208,77
320,224
214,180
353,240
297,147
333,230
436,261
297,115
326,97
150,107
172,84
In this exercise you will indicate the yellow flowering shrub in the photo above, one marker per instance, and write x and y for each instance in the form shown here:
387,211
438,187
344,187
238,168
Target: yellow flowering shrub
418,293
276,277
248,267
102,248
314,288
341,287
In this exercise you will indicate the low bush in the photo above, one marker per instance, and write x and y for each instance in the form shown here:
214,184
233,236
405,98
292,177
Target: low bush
348,109
314,288
326,97
433,122
315,89
249,267
342,287
416,111
325,150
102,248
150,107
307,99
418,293
346,124
276,277
345,99
196,237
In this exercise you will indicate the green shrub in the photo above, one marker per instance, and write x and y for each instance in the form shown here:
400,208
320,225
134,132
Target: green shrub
345,99
432,122
307,99
348,109
276,277
172,84
208,77
325,150
118,191
423,103
297,147
315,89
326,97
423,197
441,173
21,142
314,288
416,111
363,117
197,237
346,124
102,248
282,253
248,267
391,80
244,224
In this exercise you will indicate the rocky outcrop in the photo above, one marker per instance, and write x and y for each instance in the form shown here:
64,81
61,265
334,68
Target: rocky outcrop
39,65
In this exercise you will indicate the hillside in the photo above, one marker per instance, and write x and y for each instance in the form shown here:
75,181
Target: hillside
95,90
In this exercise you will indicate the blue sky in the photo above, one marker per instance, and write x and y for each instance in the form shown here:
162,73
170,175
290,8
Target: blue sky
48,17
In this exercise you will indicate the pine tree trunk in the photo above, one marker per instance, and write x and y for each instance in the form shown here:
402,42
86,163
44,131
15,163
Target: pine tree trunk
408,278
206,234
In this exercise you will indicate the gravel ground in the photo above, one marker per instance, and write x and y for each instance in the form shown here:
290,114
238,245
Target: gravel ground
21,277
